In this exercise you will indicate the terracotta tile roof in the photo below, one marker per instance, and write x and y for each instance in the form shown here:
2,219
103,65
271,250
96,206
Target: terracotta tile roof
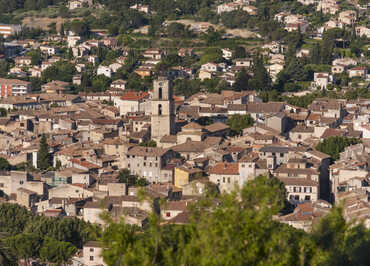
303,129
332,132
13,82
298,181
135,96
192,125
225,169
271,107
314,117
85,164
146,151
218,126
176,205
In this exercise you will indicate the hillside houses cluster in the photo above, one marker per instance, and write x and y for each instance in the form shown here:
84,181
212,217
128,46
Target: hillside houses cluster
178,145
90,141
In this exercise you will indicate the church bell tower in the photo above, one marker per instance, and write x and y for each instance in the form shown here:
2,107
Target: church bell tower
163,115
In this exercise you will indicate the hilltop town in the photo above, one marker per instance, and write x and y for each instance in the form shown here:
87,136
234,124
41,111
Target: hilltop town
111,100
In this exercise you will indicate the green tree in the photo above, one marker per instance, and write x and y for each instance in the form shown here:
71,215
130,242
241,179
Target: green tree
57,251
3,112
239,52
261,79
242,79
149,143
35,57
212,55
239,122
124,176
25,246
6,257
335,145
4,164
43,157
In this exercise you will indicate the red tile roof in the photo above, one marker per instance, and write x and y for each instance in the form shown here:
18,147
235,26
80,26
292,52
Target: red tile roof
225,169
135,96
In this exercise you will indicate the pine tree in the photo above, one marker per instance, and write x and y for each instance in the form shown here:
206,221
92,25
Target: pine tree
43,160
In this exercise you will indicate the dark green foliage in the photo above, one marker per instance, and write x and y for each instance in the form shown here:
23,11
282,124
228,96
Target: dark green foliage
261,79
238,230
178,30
30,234
124,176
3,112
211,55
335,145
56,251
7,6
100,83
212,36
61,70
186,87
239,52
4,68
35,57
4,164
242,79
149,143
43,157
25,246
238,122
235,19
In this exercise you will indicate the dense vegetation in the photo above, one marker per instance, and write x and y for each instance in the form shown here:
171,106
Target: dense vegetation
335,145
26,236
239,230
239,122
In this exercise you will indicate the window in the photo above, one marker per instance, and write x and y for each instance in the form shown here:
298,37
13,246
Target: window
243,165
144,163
150,164
223,179
299,136
91,258
296,197
310,189
228,180
160,93
21,182
281,154
156,164
91,249
307,198
159,109
128,165
304,189
144,157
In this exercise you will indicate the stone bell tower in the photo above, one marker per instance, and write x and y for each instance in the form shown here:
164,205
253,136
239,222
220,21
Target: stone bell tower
163,113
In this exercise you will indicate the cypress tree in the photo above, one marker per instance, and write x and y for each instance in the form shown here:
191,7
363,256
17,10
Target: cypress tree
43,160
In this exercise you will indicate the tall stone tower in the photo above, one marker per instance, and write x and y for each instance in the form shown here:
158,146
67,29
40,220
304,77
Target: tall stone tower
163,114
